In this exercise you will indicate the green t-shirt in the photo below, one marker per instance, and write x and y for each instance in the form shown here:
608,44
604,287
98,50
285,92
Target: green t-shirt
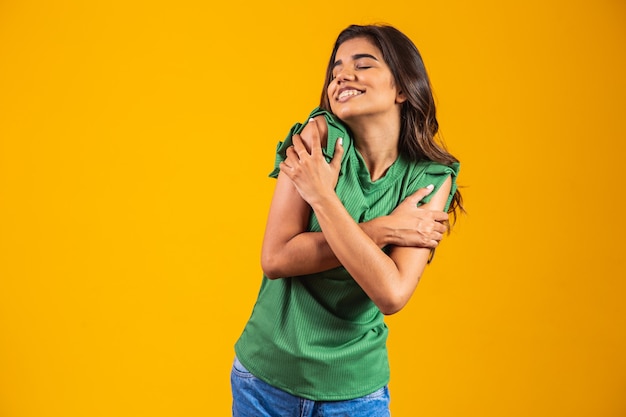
319,336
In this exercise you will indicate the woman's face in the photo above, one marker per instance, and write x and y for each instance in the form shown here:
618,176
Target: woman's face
362,84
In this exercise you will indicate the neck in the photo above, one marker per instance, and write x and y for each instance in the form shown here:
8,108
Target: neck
378,145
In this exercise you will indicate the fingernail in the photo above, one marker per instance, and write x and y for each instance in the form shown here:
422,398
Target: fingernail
340,140
311,120
430,186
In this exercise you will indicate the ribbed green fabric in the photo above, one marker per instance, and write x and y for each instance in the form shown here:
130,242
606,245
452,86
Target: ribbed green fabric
319,336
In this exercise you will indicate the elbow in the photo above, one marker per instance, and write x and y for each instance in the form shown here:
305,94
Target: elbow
270,266
389,309
395,298
392,304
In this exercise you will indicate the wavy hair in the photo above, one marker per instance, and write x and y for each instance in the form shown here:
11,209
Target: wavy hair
419,126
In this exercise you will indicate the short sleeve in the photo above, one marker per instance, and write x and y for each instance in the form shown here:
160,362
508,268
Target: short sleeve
436,174
336,130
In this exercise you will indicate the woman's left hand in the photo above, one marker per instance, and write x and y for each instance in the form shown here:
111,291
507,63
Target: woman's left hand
313,177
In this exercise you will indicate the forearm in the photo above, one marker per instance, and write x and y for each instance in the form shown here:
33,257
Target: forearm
371,268
309,252
389,280
288,249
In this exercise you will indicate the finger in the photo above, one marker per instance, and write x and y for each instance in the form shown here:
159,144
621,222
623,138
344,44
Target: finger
284,167
417,196
438,236
291,154
306,133
298,145
316,145
439,228
439,216
429,244
291,162
336,162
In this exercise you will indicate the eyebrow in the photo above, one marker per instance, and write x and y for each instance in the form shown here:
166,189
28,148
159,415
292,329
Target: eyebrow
354,58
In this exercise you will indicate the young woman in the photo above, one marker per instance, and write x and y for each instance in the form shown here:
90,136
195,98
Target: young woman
346,242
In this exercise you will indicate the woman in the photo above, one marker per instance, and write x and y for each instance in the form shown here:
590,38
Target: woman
348,184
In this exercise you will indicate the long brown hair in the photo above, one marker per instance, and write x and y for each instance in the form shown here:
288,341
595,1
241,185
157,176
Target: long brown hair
419,126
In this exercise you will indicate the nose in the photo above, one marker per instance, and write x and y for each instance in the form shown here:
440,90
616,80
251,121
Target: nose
345,74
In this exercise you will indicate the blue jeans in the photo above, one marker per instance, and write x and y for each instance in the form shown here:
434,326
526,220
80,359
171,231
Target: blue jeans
255,398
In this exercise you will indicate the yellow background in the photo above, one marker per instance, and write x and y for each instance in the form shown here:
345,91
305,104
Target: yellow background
135,142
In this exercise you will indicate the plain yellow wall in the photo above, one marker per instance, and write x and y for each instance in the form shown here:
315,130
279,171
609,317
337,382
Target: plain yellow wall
135,142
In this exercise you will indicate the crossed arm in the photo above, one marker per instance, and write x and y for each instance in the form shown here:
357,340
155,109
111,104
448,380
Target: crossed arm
306,182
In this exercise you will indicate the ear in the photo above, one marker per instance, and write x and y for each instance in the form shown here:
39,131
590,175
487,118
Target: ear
400,97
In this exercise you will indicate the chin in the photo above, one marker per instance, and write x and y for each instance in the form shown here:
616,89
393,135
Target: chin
343,113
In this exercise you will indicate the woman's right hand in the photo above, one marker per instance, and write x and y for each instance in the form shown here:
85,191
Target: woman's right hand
318,128
314,177
410,225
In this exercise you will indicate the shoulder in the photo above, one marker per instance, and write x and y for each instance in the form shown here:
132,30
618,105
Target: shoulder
333,129
330,129
424,173
434,168
424,170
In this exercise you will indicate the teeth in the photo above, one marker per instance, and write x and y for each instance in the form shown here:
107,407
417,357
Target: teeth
349,93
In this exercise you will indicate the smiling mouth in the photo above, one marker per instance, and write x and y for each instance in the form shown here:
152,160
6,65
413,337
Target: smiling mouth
349,93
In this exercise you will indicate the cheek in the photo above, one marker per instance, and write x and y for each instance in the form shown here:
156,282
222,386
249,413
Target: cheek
331,89
332,107
330,92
